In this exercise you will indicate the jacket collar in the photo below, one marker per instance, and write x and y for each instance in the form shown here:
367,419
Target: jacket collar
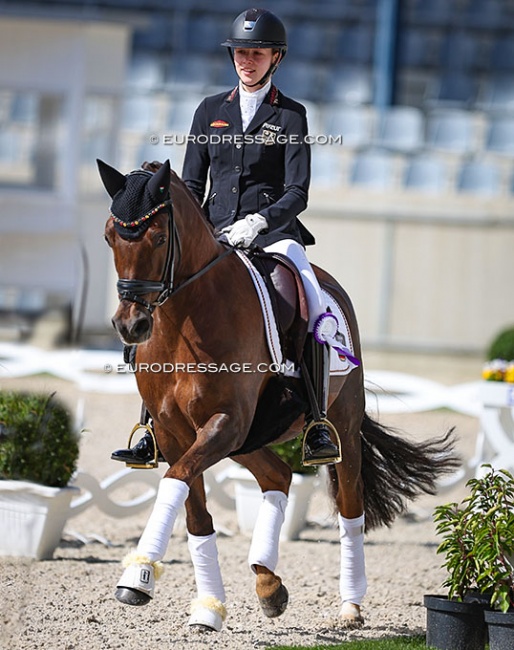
264,112
272,98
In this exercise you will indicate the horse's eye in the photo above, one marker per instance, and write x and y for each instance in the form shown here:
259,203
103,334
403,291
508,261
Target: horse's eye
162,239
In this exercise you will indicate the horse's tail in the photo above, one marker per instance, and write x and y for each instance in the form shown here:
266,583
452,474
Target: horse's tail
395,471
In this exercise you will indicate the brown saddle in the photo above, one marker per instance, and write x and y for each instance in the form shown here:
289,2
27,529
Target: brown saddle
288,300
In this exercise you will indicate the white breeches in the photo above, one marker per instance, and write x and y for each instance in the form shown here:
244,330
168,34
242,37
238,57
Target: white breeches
296,253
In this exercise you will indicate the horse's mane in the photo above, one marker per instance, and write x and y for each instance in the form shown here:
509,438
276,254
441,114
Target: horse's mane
178,187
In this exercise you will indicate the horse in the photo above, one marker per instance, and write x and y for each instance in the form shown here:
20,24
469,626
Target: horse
186,298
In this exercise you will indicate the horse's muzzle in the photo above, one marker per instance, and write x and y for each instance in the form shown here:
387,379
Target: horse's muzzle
133,324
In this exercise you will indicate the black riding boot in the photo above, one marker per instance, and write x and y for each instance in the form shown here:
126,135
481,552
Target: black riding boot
319,448
143,453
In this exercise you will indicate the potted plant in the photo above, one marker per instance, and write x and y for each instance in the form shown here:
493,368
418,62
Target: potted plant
39,449
248,495
478,545
502,346
498,372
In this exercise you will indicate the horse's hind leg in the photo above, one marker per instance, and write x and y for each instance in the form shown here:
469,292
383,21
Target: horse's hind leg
274,478
346,481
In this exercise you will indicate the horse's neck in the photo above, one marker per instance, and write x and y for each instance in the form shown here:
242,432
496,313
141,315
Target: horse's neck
198,246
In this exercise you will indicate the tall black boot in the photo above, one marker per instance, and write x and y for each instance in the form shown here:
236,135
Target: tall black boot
319,446
142,454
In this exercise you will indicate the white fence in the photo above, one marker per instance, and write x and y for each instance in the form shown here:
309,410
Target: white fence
386,392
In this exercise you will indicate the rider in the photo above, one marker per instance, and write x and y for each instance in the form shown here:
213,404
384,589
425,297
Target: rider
251,144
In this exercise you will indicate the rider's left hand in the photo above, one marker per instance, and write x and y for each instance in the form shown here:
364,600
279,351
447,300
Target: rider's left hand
244,231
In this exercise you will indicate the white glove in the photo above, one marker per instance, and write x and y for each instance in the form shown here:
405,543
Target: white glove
244,231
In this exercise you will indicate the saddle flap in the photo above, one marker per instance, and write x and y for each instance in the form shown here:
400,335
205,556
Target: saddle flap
288,299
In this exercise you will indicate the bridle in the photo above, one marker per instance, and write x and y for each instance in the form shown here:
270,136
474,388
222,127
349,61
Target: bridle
134,290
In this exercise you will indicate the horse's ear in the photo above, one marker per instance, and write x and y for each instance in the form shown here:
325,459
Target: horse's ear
113,180
159,184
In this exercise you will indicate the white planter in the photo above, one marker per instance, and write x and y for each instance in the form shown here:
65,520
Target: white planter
497,393
248,498
32,518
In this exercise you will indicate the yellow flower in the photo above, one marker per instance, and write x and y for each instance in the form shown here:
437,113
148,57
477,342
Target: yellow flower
509,373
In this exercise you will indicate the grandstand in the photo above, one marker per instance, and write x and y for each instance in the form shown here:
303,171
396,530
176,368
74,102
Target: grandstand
422,93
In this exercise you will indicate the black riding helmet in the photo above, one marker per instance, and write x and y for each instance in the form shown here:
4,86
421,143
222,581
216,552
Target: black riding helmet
258,28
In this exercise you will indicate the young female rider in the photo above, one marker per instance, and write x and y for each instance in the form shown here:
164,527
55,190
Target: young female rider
253,149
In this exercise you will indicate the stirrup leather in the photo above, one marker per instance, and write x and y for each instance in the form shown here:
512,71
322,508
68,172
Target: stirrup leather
335,439
154,463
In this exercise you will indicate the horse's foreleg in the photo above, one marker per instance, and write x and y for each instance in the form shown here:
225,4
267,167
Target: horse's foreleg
208,609
143,566
136,586
270,472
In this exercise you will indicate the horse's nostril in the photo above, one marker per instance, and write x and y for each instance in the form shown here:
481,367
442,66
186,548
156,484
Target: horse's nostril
141,327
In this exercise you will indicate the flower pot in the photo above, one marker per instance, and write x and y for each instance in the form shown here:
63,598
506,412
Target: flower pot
32,518
500,626
453,625
497,393
248,498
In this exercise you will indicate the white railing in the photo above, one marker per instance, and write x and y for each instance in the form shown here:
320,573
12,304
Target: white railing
386,392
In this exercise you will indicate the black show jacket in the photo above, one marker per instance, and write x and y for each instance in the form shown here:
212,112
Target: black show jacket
264,170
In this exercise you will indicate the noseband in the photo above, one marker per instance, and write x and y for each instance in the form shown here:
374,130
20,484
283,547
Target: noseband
133,290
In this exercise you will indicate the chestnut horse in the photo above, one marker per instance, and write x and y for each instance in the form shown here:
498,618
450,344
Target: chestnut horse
187,299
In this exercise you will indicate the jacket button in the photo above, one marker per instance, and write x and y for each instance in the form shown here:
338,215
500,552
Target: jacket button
238,146
237,168
234,190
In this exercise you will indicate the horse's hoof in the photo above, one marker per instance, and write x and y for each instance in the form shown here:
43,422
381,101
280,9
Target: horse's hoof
273,596
201,629
276,604
129,596
207,614
350,616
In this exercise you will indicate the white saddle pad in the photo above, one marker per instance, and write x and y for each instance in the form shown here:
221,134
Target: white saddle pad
338,366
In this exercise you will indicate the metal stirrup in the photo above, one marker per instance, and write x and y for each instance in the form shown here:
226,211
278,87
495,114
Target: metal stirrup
154,462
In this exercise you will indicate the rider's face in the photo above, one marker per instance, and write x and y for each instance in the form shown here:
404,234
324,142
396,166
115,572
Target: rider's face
252,65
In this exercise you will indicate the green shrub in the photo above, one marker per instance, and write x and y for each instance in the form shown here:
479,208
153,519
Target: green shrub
38,442
502,346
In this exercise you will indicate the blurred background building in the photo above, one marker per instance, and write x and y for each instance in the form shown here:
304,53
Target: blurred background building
413,212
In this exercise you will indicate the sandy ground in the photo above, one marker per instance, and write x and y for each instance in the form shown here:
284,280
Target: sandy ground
68,604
